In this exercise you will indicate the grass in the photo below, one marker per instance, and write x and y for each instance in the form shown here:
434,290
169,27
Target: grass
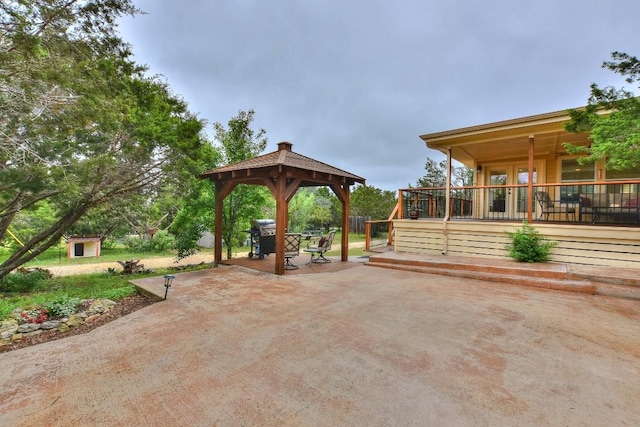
83,286
103,285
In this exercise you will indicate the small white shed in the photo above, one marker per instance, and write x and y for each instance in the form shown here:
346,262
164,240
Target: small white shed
83,246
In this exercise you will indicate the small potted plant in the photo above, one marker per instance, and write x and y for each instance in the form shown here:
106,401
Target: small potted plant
414,210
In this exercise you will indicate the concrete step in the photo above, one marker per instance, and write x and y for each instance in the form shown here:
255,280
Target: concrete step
547,275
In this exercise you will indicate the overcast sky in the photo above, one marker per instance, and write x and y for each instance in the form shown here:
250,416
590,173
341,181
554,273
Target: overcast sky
353,83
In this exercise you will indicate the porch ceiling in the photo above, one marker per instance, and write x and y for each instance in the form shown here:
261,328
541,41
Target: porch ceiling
507,140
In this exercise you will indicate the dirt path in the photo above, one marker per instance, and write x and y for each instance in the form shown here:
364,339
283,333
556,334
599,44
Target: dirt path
150,263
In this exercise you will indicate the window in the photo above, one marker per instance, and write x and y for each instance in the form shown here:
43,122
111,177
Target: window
631,173
570,171
574,171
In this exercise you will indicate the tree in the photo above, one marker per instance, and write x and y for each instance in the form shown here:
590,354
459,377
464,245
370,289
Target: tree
436,175
615,135
85,127
372,202
237,143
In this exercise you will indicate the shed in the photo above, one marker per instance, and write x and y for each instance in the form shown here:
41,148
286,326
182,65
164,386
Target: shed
83,246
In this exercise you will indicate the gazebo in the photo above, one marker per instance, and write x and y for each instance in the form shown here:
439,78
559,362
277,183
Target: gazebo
283,172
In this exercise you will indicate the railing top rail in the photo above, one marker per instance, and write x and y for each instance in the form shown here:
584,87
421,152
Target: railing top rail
547,184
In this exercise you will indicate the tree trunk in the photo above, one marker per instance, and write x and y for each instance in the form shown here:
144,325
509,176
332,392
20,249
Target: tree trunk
43,241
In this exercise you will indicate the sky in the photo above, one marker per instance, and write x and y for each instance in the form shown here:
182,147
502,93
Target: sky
354,83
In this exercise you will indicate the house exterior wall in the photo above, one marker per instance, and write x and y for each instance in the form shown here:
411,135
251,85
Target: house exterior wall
577,244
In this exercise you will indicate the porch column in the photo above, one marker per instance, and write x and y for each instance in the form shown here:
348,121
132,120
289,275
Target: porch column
530,182
447,199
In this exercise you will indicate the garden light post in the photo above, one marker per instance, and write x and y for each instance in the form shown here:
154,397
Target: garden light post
168,278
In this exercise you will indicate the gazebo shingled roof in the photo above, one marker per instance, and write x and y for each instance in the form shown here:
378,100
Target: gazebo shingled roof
283,172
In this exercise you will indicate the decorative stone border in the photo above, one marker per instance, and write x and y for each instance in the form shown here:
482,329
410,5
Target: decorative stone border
16,327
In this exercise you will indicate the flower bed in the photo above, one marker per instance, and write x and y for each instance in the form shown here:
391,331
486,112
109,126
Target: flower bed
61,315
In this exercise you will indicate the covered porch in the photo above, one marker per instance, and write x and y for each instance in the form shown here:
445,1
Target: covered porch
521,172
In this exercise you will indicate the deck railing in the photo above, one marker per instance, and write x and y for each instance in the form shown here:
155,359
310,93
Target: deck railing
615,203
378,234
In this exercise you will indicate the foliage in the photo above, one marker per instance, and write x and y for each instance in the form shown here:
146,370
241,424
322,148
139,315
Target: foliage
160,242
35,315
117,293
300,207
372,202
83,127
436,175
23,281
237,143
527,245
612,117
63,307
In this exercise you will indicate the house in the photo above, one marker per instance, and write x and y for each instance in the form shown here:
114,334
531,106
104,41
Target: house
83,246
522,172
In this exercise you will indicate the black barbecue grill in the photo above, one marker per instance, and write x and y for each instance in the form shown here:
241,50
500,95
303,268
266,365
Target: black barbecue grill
263,237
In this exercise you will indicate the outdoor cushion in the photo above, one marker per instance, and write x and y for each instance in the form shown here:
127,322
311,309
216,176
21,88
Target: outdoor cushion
585,202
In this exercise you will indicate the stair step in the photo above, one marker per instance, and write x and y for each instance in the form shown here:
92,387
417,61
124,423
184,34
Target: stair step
582,286
558,272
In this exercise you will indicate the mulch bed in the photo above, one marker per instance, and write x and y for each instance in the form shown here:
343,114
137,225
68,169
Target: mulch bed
123,307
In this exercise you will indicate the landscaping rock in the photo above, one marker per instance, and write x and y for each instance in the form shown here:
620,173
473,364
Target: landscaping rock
75,320
50,324
28,327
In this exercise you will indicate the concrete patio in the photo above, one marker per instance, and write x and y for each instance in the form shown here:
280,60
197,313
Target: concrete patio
363,346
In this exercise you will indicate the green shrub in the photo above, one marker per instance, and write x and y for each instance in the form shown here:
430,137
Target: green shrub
527,245
23,281
64,307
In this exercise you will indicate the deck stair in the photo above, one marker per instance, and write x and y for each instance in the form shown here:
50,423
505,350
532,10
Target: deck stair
621,283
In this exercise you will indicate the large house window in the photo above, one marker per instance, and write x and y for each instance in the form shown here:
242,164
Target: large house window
574,171
570,171
631,173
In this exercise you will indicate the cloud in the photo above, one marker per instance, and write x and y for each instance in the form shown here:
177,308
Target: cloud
354,83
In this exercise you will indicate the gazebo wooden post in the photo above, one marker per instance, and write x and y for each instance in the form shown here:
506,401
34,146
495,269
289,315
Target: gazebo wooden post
218,216
344,250
282,208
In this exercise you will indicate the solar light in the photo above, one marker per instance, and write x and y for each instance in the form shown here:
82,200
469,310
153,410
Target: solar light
168,278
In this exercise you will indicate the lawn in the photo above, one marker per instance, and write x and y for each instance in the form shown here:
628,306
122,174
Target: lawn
102,285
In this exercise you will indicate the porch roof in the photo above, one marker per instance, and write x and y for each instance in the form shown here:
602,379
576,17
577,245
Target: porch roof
507,140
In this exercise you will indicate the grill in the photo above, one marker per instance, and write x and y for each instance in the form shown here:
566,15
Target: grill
263,237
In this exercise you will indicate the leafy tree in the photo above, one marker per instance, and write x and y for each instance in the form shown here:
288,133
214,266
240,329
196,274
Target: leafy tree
436,175
373,202
300,208
615,136
237,143
84,127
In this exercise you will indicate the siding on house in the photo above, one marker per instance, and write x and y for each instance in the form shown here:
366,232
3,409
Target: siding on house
577,244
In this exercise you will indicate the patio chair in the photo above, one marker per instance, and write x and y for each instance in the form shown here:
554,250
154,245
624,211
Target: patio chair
291,249
317,251
595,204
548,207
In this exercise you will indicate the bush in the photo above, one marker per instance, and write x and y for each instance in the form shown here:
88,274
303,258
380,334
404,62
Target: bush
160,242
24,281
64,307
528,246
